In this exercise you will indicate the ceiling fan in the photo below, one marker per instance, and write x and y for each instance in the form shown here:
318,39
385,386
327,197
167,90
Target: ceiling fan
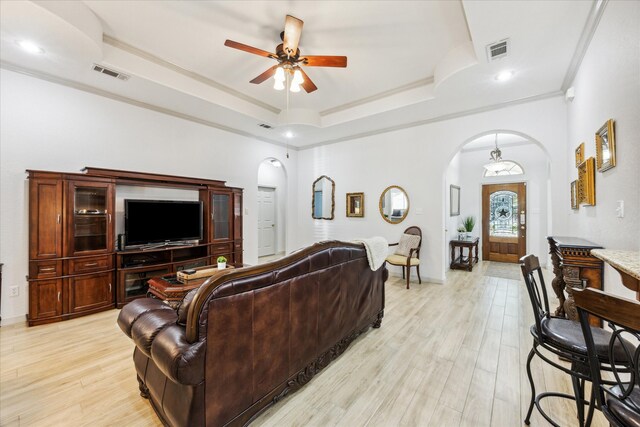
289,59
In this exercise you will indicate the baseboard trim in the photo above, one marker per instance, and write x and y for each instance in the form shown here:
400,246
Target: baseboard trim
6,321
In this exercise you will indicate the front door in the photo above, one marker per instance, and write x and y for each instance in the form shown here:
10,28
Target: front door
504,212
266,221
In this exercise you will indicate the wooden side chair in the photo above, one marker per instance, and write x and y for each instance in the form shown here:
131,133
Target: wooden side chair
408,253
619,400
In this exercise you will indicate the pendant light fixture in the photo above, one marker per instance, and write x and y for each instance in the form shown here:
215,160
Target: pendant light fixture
499,167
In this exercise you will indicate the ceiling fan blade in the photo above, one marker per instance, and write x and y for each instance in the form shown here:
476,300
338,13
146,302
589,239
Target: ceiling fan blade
324,61
307,85
292,33
264,76
250,49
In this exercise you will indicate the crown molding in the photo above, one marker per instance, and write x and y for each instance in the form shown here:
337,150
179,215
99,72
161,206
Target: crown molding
106,94
441,118
419,83
597,9
119,44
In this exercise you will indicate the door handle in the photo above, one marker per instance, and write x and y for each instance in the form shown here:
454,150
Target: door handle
109,287
109,215
91,264
58,219
58,296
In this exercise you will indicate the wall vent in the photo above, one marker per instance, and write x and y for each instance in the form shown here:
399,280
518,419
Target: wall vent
498,50
109,72
266,126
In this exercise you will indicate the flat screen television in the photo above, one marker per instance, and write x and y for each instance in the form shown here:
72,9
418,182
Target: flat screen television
153,221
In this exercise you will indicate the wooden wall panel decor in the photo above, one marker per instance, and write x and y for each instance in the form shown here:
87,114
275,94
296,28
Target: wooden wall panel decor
587,182
574,194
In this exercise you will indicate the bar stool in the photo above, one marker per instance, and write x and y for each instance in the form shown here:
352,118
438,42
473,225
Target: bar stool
619,400
564,338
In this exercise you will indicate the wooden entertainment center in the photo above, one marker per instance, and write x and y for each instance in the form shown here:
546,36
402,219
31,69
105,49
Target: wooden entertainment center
74,268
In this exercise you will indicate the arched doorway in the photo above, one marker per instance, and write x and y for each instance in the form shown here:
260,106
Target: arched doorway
272,196
468,172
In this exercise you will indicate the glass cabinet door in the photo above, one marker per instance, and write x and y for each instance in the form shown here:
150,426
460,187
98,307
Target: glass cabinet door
91,218
221,217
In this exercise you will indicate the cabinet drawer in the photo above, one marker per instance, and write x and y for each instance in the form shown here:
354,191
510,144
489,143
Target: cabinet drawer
45,269
87,265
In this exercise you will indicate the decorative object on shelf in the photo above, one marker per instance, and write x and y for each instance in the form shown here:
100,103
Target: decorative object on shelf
499,167
323,198
574,194
222,263
454,200
469,223
462,233
606,147
394,204
355,205
580,154
587,182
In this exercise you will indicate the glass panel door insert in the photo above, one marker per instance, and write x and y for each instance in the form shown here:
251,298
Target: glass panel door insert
90,218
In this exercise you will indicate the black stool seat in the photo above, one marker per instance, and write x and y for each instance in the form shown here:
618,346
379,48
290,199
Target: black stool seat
621,411
567,334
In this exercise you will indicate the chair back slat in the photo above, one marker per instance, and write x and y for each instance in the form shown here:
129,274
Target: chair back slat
623,316
530,267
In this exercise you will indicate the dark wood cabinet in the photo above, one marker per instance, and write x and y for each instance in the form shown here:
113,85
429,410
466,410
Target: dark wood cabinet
90,292
74,269
70,217
45,218
89,218
45,300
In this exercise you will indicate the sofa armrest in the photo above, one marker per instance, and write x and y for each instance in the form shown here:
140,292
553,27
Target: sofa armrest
179,360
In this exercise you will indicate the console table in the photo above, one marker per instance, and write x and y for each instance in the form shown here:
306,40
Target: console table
574,267
460,262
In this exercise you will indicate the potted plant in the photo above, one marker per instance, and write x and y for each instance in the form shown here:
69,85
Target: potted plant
462,233
222,263
468,223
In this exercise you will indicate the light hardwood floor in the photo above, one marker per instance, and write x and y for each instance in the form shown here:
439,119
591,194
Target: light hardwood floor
446,355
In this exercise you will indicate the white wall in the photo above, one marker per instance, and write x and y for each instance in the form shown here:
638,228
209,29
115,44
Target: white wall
535,164
607,86
52,127
452,178
417,159
271,176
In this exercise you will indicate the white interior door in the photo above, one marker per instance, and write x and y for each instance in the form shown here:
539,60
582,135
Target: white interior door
266,221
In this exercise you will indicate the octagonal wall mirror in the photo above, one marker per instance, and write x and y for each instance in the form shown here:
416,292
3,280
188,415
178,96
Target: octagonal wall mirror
394,204
323,199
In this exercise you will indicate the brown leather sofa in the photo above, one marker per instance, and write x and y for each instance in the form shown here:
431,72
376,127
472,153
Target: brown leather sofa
248,337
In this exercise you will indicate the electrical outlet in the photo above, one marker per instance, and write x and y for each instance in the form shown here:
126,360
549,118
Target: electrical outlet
14,291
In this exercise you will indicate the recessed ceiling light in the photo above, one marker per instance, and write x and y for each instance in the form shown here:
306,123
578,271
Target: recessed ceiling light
289,134
30,47
276,163
504,76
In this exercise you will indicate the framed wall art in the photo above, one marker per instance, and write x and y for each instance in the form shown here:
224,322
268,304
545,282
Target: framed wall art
454,200
605,147
355,205
580,154
587,182
574,195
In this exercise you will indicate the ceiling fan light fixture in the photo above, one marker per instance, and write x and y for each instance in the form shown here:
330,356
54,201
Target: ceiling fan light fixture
297,77
278,85
279,76
295,88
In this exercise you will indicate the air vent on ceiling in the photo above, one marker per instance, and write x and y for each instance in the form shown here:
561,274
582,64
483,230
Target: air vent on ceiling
109,72
266,126
498,50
